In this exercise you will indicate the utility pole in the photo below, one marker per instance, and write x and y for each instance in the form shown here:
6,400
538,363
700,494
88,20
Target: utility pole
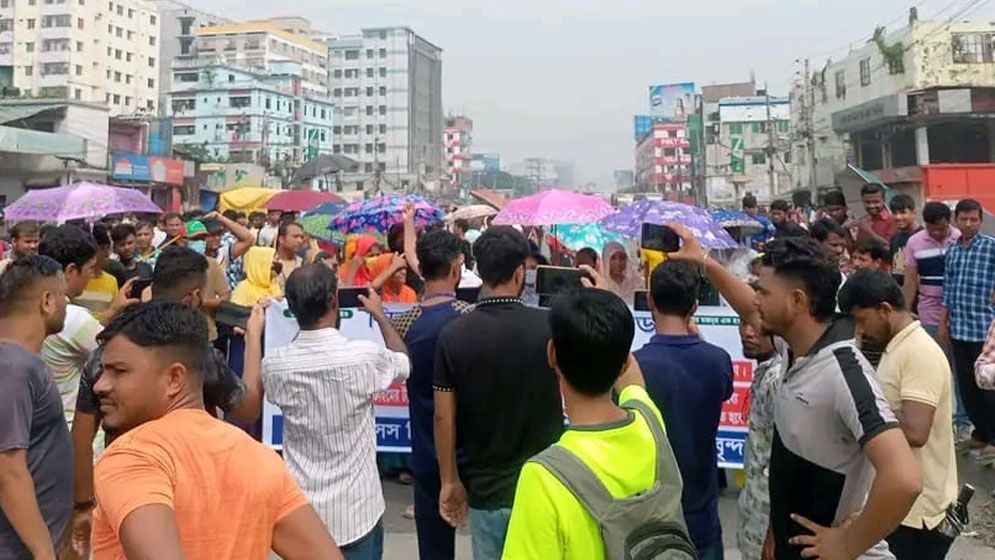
809,108
771,147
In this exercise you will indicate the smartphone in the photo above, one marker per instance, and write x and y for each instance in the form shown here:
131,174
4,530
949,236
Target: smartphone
468,295
659,238
349,297
558,279
233,315
138,286
641,301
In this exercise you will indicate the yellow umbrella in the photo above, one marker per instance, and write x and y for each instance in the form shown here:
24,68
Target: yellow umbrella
246,199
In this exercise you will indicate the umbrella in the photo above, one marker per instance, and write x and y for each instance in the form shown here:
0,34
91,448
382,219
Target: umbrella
79,201
630,220
471,212
490,197
381,212
553,207
299,201
317,220
737,219
577,236
246,199
324,164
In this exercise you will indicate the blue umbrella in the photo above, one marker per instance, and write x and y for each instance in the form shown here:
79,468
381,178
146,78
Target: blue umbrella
629,222
380,213
737,219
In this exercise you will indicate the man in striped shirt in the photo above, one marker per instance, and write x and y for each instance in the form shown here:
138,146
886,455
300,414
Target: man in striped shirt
324,385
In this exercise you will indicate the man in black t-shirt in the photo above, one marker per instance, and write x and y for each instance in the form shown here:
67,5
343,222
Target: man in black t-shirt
494,389
903,209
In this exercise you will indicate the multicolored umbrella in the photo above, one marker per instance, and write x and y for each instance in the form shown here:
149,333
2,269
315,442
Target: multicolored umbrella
379,213
577,236
737,219
317,221
629,222
79,201
299,201
553,207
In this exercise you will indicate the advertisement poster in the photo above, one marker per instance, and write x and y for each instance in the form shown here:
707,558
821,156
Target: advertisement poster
136,167
672,101
718,325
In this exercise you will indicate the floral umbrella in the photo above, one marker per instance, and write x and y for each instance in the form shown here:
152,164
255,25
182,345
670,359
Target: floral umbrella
316,221
79,201
577,236
629,222
553,207
380,213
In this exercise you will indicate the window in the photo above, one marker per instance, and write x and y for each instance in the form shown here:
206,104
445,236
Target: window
369,110
54,68
336,149
841,84
231,78
369,72
131,13
383,109
108,73
78,93
79,70
152,19
150,82
383,129
127,57
151,62
118,32
64,20
80,23
5,3
30,22
369,53
238,102
369,129
735,128
973,48
865,72
383,35
131,35
759,159
181,105
127,78
150,105
127,101
110,29
120,10
369,91
368,167
267,104
383,53
337,74
323,113
29,47
352,55
6,24
383,71
782,126
383,90
337,92
382,166
336,130
382,148
29,70
117,77
369,148
79,46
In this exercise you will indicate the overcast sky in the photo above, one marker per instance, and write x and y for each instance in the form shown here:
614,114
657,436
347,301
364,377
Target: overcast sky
562,79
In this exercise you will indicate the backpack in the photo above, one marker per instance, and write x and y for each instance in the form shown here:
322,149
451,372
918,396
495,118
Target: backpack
646,526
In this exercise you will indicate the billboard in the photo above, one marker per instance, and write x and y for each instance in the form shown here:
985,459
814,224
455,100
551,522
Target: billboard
485,162
642,126
672,102
136,167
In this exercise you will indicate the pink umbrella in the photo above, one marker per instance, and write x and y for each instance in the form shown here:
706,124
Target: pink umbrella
79,201
553,207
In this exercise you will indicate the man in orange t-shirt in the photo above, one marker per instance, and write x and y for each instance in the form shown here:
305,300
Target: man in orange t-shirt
180,483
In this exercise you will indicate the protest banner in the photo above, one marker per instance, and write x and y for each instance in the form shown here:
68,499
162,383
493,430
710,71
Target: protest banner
718,325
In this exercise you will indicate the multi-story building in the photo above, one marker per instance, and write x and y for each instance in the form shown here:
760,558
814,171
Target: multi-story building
243,115
386,84
178,24
457,142
663,159
542,172
93,52
912,98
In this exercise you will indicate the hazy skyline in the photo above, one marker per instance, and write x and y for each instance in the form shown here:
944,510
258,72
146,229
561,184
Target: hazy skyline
560,79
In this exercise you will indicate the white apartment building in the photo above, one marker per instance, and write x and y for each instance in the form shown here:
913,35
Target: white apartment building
386,84
93,51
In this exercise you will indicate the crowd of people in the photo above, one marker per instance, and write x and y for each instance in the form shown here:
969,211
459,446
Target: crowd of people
132,425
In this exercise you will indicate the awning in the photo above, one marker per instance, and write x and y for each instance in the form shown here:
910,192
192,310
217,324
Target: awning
15,112
23,141
866,176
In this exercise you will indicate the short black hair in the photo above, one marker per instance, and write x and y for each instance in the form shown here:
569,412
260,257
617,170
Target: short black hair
935,212
674,287
968,205
121,232
805,261
395,238
500,251
24,229
101,234
437,252
589,253
23,275
871,188
311,293
901,203
165,325
876,249
834,198
781,205
178,270
257,214
868,288
69,245
749,201
171,215
284,228
463,225
231,214
821,228
592,333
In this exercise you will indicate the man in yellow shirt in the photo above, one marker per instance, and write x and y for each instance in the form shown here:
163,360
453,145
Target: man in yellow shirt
623,447
915,378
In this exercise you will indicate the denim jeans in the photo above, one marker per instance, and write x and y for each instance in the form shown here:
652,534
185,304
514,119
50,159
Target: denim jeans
488,529
960,413
370,547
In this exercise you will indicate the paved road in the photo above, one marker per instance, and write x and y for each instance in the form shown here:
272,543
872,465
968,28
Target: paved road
401,543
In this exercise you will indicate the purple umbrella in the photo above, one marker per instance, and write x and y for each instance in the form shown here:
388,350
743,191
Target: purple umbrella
381,212
79,201
629,222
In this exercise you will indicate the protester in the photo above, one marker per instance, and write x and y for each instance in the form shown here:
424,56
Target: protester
754,500
871,253
835,455
324,385
256,221
440,262
621,450
216,291
784,227
102,287
878,225
688,380
587,257
173,227
833,237
903,209
35,449
260,278
24,239
354,271
495,388
915,379
167,486
621,272
835,207
752,209
124,237
289,240
268,231
227,241
390,280
144,244
968,311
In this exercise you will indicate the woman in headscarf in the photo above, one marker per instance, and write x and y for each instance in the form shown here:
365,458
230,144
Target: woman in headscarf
390,277
621,272
260,278
353,271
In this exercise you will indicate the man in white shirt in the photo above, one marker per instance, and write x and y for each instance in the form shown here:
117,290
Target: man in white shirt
266,236
324,385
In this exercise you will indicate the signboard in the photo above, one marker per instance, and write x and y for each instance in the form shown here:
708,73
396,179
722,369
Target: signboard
136,167
737,156
718,325
312,144
873,112
672,101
